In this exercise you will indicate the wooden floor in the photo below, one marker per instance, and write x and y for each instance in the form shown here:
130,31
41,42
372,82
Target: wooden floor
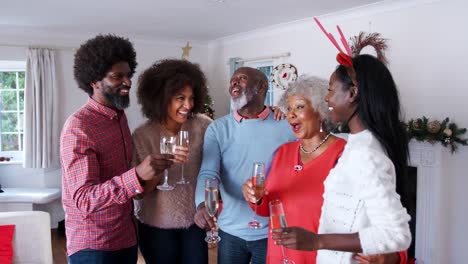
60,252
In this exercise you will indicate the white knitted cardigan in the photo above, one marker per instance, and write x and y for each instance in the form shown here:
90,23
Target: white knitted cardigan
360,197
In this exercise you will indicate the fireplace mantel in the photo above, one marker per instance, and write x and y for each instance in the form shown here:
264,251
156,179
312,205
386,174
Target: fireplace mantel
429,159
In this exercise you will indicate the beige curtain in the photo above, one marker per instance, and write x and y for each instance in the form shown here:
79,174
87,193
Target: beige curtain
41,131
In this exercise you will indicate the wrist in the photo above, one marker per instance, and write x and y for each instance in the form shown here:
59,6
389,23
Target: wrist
397,258
321,242
140,180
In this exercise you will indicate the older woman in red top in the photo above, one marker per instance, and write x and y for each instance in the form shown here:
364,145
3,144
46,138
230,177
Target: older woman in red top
299,168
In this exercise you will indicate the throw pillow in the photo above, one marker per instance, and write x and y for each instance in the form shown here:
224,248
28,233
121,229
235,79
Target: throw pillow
6,246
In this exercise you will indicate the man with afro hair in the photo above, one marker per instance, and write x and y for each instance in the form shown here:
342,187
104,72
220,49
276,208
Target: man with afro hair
96,150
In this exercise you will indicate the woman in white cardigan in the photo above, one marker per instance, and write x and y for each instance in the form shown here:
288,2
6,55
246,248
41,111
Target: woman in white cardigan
362,211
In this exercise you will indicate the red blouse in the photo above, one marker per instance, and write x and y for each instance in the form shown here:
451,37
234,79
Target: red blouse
300,189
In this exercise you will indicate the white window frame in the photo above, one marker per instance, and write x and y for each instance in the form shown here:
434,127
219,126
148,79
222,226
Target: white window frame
264,63
16,66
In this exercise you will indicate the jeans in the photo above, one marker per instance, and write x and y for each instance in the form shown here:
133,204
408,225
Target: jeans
172,246
93,256
235,250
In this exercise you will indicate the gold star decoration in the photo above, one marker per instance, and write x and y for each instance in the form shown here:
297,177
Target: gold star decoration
186,51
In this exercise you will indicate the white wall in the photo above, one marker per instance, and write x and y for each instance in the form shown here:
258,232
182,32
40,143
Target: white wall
13,47
428,59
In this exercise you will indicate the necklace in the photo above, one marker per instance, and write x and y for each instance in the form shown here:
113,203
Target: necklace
318,146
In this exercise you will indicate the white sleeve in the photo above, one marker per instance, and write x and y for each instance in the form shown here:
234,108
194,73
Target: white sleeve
389,229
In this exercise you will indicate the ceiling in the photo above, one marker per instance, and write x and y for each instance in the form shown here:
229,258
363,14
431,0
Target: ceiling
194,20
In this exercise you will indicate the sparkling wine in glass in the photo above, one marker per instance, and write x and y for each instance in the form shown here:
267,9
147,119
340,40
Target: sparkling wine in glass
258,183
183,140
278,220
211,205
166,146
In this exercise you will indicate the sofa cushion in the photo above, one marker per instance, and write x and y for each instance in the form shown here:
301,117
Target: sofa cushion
6,246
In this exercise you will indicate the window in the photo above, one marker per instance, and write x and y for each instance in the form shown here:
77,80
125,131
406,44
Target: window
266,67
12,83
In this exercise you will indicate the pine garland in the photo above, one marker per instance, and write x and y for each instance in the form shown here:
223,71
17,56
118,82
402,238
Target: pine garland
421,129
445,132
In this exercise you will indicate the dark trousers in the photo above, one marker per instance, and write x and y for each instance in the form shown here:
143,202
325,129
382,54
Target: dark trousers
172,246
235,250
92,256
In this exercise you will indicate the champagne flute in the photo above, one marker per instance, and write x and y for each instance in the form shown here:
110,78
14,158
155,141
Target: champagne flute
258,183
211,205
183,140
278,220
166,146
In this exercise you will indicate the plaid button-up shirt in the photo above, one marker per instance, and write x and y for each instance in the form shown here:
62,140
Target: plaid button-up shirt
98,184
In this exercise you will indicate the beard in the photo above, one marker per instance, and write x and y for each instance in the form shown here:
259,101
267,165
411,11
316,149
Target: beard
116,100
246,97
238,103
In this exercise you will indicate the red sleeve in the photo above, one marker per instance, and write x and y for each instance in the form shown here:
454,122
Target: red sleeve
403,257
262,207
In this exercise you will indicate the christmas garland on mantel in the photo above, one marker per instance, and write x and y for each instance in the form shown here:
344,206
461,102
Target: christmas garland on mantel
421,129
448,134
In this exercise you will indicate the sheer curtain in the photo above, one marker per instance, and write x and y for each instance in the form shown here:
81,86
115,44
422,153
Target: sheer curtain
41,134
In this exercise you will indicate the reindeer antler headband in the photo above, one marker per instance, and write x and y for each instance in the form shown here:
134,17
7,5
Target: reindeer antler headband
359,42
342,58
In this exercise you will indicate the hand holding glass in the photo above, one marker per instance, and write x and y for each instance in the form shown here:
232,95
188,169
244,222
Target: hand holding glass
166,146
278,220
211,205
183,140
258,183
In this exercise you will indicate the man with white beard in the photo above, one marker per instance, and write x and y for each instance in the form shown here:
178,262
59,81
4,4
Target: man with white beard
232,144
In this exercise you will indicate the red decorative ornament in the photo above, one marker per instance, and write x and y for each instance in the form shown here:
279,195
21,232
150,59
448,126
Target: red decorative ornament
282,75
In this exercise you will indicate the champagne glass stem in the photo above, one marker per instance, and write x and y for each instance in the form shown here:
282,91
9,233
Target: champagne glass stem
166,176
255,213
284,255
182,179
285,258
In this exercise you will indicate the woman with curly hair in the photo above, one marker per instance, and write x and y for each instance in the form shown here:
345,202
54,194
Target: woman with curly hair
299,168
171,93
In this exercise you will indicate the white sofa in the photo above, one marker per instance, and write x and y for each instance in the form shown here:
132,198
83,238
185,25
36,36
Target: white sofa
32,238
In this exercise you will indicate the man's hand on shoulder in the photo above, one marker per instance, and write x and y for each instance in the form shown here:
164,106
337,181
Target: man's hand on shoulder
277,113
